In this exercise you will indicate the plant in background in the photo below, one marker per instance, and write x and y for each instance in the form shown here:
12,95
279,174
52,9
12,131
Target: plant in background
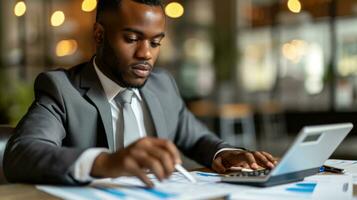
15,98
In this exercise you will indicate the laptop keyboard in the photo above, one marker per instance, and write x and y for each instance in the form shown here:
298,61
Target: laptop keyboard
255,173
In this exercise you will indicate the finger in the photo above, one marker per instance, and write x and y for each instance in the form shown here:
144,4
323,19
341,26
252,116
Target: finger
240,166
270,157
170,147
173,151
165,159
148,162
262,160
234,168
156,167
134,169
218,166
142,176
153,147
245,165
156,148
251,160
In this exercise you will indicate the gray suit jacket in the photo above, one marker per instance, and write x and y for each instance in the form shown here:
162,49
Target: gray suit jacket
70,114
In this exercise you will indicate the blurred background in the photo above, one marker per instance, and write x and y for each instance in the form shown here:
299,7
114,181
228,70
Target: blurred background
255,71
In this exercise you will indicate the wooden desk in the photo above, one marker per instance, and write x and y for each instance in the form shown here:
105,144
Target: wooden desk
22,191
29,192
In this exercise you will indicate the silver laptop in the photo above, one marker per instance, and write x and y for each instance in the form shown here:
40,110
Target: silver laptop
312,147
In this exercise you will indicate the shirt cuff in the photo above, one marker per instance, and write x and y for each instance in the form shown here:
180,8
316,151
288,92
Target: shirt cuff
83,165
227,149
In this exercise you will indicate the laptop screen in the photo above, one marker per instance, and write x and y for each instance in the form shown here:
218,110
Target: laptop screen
312,147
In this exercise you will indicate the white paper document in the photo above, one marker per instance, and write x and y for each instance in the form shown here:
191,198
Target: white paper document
177,187
208,187
350,166
317,187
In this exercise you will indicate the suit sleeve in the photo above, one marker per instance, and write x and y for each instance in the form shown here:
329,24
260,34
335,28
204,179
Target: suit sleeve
34,154
193,138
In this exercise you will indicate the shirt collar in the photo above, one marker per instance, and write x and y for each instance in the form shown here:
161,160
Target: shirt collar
111,89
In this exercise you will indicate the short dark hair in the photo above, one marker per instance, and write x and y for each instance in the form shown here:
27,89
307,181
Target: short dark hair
109,5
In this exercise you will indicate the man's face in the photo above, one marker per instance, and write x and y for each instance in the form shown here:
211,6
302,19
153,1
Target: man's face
130,43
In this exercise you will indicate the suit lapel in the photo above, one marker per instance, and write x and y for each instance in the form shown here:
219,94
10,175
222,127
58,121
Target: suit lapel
95,93
156,112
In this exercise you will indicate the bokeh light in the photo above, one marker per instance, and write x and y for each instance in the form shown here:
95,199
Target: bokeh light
294,6
66,48
20,8
89,5
174,10
57,18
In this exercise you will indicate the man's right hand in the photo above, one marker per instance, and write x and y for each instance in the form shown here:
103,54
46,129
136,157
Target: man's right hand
154,154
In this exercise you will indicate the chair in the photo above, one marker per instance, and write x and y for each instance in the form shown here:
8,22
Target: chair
232,115
205,111
273,123
5,133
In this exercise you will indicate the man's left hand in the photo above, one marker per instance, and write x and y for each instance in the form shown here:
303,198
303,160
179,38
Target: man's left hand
244,159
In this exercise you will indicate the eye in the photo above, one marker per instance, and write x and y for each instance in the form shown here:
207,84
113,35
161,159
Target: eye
155,44
131,39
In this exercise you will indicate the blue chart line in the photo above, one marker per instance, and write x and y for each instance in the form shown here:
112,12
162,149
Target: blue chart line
83,192
207,174
113,192
154,192
302,188
158,193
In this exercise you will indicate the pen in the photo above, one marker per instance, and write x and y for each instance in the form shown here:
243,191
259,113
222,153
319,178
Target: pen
327,168
185,173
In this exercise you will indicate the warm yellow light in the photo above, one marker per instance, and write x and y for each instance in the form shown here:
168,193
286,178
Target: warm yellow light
57,18
20,8
66,47
174,10
289,51
295,50
294,6
89,5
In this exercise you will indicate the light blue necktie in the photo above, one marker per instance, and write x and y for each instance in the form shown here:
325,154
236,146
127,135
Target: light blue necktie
130,126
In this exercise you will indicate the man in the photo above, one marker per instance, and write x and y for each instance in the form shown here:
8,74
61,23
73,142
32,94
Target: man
115,115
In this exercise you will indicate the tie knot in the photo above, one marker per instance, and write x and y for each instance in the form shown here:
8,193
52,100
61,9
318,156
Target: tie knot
124,97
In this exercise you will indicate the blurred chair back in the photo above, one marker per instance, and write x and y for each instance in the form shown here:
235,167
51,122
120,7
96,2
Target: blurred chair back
232,114
203,108
272,123
205,111
5,133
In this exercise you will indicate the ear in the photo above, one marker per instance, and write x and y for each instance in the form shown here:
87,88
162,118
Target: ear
98,31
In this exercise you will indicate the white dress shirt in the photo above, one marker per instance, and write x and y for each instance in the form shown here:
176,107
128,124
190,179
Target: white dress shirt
83,164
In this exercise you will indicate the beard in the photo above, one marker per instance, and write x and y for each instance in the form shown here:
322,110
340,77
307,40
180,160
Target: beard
112,62
124,83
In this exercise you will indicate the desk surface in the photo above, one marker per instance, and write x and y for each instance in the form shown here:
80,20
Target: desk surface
21,191
29,192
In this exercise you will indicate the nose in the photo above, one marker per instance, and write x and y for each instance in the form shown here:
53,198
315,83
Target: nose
143,51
